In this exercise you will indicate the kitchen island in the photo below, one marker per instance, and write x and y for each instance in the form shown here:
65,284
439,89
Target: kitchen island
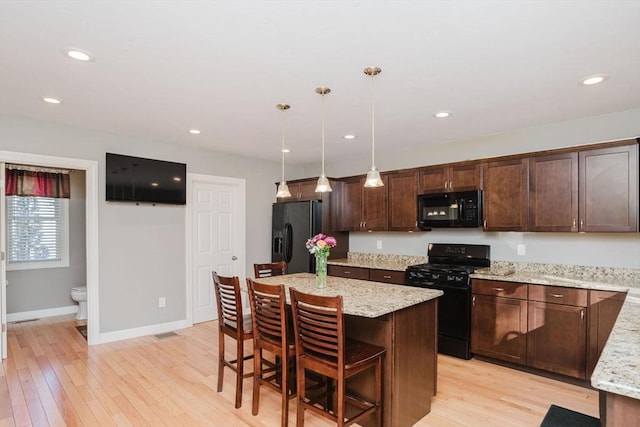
402,319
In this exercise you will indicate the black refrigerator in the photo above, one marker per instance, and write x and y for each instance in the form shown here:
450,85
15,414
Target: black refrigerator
293,223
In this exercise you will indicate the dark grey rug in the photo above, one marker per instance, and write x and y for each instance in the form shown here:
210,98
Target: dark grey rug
561,417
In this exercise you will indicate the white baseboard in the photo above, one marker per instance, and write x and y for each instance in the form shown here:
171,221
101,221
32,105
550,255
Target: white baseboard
140,332
39,314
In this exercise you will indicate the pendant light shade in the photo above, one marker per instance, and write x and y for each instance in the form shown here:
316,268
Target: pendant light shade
283,188
323,185
373,176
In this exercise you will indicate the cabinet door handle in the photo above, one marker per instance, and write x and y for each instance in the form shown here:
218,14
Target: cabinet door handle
557,295
581,223
485,224
473,300
346,272
573,226
445,184
387,277
581,314
498,289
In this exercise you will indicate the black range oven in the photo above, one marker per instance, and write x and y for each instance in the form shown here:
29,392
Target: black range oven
448,270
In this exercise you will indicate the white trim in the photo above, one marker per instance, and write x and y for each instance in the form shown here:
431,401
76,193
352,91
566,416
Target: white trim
160,328
241,231
38,314
91,182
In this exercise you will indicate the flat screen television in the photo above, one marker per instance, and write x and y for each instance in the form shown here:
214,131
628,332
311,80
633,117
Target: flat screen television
135,179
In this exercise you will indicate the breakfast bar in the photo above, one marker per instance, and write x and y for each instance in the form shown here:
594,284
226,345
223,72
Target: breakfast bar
403,319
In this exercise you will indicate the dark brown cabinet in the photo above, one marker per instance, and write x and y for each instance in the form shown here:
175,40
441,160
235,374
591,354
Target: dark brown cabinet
402,194
350,272
362,209
553,192
372,274
499,320
301,190
505,195
608,189
453,177
557,330
604,307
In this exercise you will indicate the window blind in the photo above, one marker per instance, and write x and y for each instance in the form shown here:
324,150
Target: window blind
34,229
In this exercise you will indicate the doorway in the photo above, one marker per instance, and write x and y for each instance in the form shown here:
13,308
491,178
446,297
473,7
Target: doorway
91,216
215,239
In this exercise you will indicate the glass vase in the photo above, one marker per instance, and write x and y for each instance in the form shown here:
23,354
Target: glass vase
321,270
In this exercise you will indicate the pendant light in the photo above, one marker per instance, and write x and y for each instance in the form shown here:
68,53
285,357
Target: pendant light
373,176
283,188
323,185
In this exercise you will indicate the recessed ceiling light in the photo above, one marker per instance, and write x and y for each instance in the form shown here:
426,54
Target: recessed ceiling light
154,184
177,178
79,55
51,100
442,114
593,80
349,137
285,150
194,131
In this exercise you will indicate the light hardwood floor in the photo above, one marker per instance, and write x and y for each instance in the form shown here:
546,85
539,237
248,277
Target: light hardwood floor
52,378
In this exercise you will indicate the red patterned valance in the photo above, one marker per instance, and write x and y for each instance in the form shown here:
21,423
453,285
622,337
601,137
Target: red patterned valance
33,182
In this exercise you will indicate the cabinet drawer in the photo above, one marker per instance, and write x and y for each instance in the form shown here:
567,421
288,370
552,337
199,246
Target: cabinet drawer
558,295
498,288
350,272
387,276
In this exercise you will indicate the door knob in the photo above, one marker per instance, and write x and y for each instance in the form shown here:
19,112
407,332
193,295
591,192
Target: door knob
234,258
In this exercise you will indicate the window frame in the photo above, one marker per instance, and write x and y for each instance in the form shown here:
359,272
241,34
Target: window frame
64,242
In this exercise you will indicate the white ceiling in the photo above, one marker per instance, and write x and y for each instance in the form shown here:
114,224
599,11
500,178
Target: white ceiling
162,68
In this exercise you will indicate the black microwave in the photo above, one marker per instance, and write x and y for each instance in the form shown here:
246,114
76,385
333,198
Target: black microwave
450,210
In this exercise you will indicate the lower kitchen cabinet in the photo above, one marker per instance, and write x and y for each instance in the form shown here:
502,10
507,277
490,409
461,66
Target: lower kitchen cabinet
350,272
499,320
604,307
372,274
556,340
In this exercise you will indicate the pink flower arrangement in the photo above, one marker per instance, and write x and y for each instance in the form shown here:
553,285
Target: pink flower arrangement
321,244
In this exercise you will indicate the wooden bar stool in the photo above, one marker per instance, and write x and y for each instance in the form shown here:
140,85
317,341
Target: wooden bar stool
272,332
232,323
270,269
321,347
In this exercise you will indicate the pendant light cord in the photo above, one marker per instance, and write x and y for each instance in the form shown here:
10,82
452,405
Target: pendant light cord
322,124
373,119
282,148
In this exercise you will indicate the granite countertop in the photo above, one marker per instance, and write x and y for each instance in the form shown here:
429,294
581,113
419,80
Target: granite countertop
379,261
360,297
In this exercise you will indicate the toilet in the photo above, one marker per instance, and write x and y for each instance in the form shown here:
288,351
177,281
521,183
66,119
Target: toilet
79,295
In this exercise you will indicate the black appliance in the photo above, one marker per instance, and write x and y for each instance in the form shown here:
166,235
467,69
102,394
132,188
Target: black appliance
135,179
294,223
448,270
450,210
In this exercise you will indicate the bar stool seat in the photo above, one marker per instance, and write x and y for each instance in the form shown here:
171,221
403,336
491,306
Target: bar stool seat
321,347
232,323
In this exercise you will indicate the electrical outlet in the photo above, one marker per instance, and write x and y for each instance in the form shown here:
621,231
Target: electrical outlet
522,249
162,302
379,244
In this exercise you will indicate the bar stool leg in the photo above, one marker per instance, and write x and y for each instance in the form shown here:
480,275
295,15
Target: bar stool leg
220,360
301,396
379,392
240,371
257,374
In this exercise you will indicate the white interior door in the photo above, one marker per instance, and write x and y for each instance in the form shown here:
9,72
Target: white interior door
217,238
3,269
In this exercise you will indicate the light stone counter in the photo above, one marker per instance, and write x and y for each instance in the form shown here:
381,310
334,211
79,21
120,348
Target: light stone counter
379,261
359,297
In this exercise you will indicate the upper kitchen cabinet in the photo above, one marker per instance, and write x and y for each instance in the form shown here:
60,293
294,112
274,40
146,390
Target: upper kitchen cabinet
402,194
608,189
505,195
452,177
302,190
553,192
360,208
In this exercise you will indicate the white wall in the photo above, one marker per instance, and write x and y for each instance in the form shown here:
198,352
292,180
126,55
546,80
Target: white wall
598,249
142,248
